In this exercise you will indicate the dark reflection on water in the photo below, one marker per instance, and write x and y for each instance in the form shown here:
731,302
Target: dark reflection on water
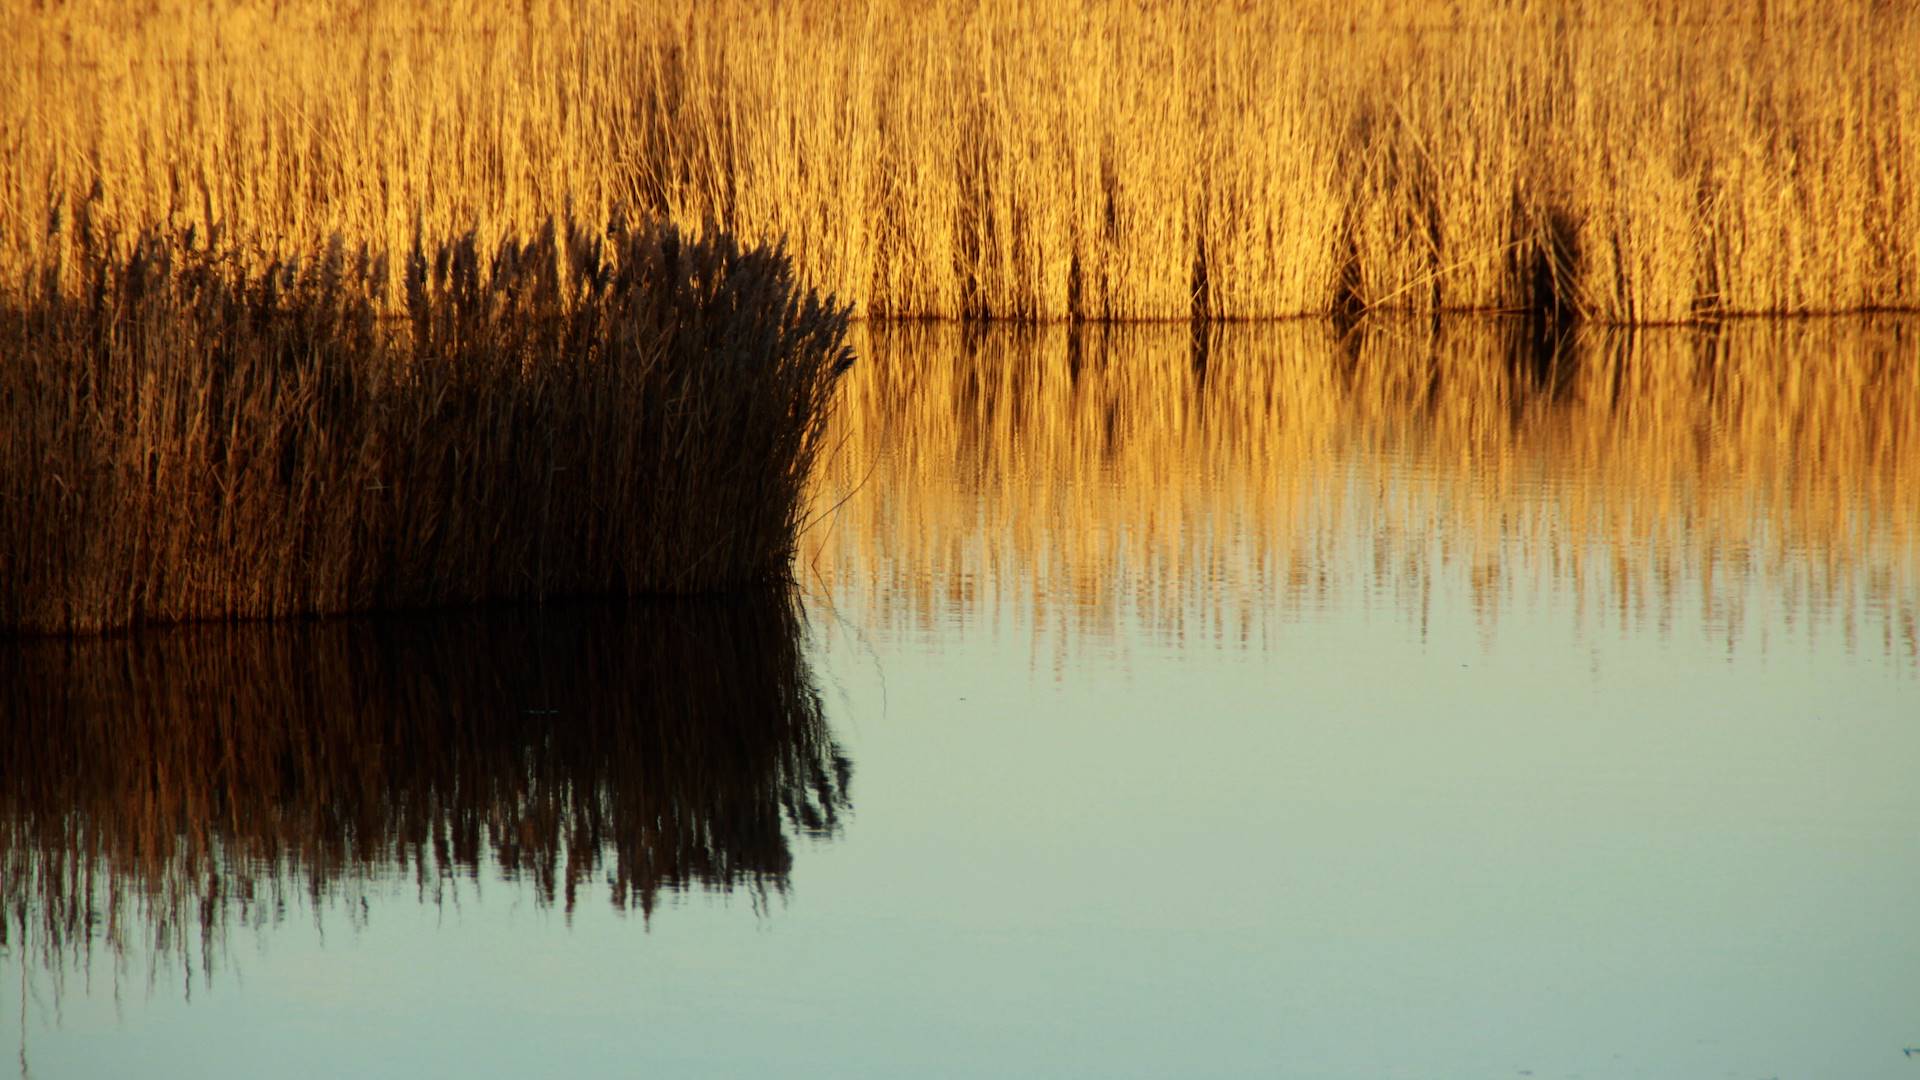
159,788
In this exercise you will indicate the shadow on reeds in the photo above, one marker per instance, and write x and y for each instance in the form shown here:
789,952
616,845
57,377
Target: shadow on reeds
190,439
162,788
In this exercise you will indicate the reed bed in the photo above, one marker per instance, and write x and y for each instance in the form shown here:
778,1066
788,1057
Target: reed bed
1641,162
165,789
188,436
1753,485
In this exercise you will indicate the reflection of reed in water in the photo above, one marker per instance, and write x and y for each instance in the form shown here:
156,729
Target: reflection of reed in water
159,788
1751,476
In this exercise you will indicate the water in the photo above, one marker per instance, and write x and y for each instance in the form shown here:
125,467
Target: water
1419,701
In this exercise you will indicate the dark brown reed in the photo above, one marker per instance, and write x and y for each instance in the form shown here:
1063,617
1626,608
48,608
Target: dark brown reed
629,412
162,788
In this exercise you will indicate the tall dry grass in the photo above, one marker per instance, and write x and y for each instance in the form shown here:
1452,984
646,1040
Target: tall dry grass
188,435
1645,161
166,789
1094,487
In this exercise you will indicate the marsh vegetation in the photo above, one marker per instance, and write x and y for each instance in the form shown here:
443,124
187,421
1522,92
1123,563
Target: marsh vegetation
192,437
240,383
1647,161
1228,688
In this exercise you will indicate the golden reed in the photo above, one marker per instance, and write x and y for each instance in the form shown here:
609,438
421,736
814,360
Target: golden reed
1641,161
1752,481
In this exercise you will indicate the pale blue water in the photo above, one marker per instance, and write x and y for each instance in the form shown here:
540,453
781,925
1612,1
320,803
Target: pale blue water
1373,839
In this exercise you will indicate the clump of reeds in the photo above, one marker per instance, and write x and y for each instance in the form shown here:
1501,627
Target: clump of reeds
191,434
164,788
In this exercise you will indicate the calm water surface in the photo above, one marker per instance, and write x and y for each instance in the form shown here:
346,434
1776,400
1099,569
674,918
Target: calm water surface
1412,702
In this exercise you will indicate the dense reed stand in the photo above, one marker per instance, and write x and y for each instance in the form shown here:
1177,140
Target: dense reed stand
588,411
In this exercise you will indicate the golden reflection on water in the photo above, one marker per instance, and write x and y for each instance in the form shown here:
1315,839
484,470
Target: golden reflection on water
1760,479
160,788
